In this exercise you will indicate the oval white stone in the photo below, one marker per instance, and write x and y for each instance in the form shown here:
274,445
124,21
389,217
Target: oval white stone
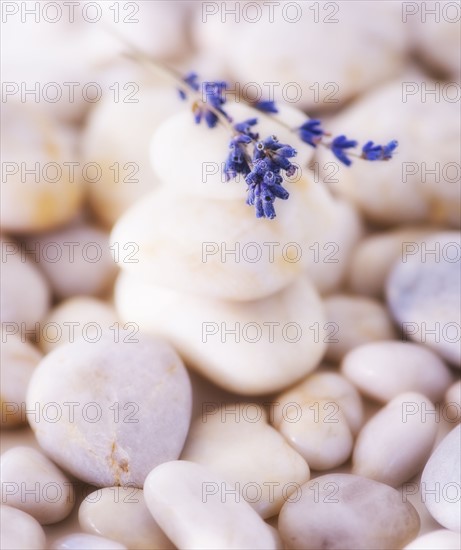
131,407
120,513
271,348
236,442
78,541
395,443
442,539
453,394
338,511
20,531
383,370
443,472
33,484
198,509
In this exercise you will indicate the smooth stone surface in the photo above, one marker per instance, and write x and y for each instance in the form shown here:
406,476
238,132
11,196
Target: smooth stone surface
338,511
122,184
372,259
204,152
25,293
120,513
444,468
424,293
383,370
258,358
218,250
198,509
326,386
236,442
395,443
453,394
355,320
77,317
329,257
403,190
20,531
24,470
131,412
76,260
442,539
35,139
78,541
18,359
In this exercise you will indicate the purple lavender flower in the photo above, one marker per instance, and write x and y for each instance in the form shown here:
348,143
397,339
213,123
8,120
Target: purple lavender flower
370,151
338,146
311,132
266,106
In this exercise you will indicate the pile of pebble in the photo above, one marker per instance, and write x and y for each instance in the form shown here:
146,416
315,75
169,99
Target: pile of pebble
176,373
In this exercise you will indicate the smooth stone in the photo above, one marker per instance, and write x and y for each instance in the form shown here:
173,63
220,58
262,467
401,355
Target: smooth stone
329,257
442,539
77,317
18,359
220,249
442,472
453,394
131,407
395,443
204,151
124,183
354,321
372,259
424,292
236,442
278,70
383,370
20,531
27,205
403,191
120,513
198,509
25,293
338,511
329,387
76,260
80,541
33,484
258,358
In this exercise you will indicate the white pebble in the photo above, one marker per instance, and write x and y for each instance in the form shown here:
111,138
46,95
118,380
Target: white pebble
453,394
20,531
198,509
353,321
77,317
383,370
120,513
339,511
442,539
131,407
25,294
443,473
18,359
395,443
236,442
272,347
82,541
33,484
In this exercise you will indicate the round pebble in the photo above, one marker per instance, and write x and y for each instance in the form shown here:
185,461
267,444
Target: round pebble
235,441
383,370
128,407
338,511
355,320
441,539
33,484
442,475
197,508
424,292
18,359
20,531
395,443
453,394
250,348
78,317
120,513
76,260
80,541
25,294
